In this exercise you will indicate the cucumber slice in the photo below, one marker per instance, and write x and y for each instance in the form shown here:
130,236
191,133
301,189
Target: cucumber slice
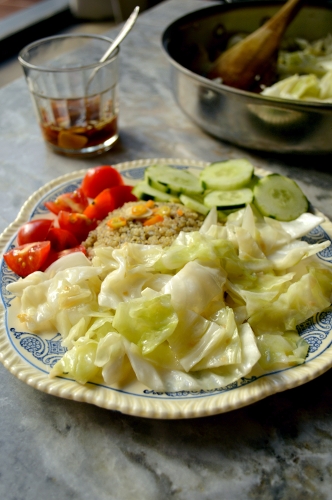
157,185
253,181
144,191
280,198
223,200
226,175
194,204
175,180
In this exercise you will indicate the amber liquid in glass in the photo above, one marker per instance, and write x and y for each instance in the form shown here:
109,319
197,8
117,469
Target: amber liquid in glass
85,124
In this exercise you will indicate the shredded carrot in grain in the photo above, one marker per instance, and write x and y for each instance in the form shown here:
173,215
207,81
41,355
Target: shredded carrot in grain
150,203
179,212
153,220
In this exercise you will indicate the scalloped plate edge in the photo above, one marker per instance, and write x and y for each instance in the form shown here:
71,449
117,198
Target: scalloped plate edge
131,404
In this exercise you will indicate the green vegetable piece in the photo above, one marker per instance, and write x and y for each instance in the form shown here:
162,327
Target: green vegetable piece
174,179
237,198
227,175
194,204
146,322
280,198
280,351
144,191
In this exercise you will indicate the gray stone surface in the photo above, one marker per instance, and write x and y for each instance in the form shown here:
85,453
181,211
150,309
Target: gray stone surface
50,448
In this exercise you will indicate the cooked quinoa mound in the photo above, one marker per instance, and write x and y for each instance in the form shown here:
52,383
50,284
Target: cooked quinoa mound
175,218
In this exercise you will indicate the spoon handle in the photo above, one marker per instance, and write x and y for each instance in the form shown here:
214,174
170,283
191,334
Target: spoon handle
123,33
117,40
279,22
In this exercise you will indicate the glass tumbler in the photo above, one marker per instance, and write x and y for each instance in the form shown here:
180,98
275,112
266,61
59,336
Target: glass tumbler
75,96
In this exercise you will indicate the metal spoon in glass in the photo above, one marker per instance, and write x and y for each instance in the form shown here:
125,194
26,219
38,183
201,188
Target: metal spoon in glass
123,33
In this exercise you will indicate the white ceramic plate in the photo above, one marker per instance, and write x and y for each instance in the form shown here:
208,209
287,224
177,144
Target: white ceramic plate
29,356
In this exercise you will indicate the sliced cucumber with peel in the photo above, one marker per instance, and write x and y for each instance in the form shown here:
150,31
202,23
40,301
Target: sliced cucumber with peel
176,180
144,191
280,198
223,200
228,186
227,175
253,181
193,204
157,185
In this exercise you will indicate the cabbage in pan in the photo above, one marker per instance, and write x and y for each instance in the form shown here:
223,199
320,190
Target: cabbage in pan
305,72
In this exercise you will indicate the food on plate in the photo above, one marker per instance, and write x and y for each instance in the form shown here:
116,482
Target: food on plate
108,200
57,254
279,197
60,239
73,215
35,230
75,201
99,178
227,185
78,224
227,175
25,259
215,300
147,223
218,304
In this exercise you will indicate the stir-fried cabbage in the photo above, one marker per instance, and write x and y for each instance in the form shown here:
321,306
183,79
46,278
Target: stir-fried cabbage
303,87
304,57
304,71
200,314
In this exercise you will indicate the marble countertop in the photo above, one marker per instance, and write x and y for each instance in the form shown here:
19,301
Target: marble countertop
278,448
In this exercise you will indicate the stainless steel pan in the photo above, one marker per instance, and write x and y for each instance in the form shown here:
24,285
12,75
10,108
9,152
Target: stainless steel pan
244,118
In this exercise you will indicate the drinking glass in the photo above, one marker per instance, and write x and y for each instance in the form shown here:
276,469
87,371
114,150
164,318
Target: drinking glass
75,96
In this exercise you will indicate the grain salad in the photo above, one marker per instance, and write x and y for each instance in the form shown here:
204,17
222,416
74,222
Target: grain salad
147,223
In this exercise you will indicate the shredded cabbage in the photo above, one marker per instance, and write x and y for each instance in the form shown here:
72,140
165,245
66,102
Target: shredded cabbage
305,72
197,315
303,87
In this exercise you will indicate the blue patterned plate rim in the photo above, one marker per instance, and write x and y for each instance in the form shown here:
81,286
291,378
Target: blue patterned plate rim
30,356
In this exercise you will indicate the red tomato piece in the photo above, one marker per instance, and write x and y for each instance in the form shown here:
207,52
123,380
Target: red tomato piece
28,258
74,201
99,178
78,224
78,248
108,200
100,206
53,255
34,230
61,239
122,195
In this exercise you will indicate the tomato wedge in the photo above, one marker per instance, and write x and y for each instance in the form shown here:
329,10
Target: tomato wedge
108,200
99,178
34,230
28,258
74,201
61,239
78,224
53,255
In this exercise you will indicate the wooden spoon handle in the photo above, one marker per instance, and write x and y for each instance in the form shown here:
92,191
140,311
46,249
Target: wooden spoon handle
279,22
241,65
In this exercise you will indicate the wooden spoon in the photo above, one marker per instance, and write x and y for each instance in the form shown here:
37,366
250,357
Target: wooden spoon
247,62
